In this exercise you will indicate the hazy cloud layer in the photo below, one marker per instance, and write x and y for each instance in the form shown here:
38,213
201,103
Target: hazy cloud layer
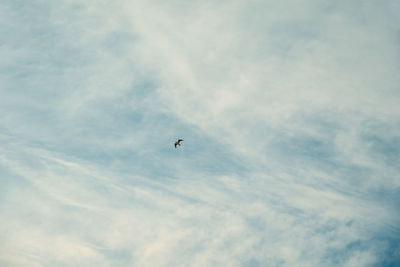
289,113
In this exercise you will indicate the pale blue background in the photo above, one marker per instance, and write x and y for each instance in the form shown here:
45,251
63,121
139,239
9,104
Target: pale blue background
289,113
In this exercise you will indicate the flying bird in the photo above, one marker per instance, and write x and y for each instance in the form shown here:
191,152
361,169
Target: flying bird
178,143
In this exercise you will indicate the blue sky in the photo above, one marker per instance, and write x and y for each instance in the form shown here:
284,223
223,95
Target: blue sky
288,111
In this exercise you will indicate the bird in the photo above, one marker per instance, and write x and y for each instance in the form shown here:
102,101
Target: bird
178,143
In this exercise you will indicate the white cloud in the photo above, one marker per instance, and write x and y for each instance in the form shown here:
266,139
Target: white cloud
288,112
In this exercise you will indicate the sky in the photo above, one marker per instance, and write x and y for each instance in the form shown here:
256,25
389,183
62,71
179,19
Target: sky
290,116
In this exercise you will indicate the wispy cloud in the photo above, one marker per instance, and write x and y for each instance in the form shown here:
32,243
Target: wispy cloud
289,113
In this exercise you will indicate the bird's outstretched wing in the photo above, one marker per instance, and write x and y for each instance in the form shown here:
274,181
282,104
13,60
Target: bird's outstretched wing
179,140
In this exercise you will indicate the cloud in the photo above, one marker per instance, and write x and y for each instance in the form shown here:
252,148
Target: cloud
288,111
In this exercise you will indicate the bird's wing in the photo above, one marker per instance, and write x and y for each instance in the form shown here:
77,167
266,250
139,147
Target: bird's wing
180,140
175,144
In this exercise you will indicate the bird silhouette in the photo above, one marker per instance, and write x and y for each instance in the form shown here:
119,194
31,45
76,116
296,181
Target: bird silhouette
178,143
